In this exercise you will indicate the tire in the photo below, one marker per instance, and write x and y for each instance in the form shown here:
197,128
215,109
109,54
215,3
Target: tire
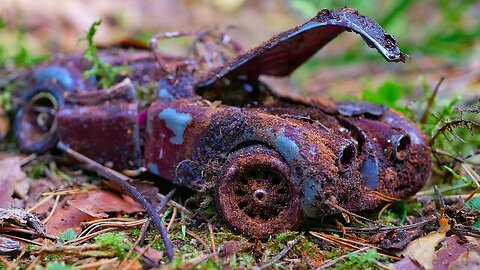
35,122
256,194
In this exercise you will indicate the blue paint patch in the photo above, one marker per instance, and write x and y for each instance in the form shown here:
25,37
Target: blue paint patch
153,168
369,172
59,74
176,122
287,147
163,94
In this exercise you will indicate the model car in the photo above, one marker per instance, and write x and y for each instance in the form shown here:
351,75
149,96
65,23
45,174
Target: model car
269,160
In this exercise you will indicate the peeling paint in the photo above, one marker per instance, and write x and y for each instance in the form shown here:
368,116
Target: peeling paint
163,94
287,147
57,73
153,168
176,122
369,172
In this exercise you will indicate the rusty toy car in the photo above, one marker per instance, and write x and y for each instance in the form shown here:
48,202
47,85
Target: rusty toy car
269,160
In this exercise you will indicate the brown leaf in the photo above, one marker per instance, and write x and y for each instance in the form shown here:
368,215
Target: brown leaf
466,261
151,258
407,264
10,173
97,203
64,217
422,250
452,248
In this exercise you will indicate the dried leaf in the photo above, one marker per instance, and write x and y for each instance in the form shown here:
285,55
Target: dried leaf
10,174
64,217
452,248
422,250
466,261
97,203
407,264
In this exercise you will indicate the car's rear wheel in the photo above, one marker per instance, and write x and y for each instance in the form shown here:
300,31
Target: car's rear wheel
256,194
35,122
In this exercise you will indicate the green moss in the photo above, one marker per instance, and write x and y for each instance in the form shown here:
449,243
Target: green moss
364,260
58,266
114,240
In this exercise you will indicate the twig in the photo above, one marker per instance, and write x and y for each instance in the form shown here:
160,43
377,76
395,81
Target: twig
122,181
120,224
354,216
28,159
54,207
159,207
351,244
194,235
26,231
172,219
212,239
17,260
34,262
423,119
383,210
155,239
175,204
333,262
95,265
282,253
84,239
44,200
450,125
374,230
455,157
474,175
441,202
70,191
23,239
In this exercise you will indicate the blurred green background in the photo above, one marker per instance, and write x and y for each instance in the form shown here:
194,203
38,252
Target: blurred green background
442,37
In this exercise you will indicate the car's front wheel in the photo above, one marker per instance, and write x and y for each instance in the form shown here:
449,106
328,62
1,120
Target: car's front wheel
35,122
256,194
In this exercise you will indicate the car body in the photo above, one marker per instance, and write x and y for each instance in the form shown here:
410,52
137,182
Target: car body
268,159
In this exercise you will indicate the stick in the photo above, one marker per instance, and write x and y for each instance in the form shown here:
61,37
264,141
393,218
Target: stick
332,262
122,181
282,253
159,207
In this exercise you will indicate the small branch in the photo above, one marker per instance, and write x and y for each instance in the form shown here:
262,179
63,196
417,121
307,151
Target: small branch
333,262
455,157
282,253
159,207
450,125
423,119
354,216
122,181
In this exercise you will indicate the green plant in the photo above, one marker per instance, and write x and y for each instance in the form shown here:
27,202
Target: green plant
364,260
114,240
58,266
67,235
105,73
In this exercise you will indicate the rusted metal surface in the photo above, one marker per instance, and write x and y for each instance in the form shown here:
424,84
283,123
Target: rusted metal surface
103,125
269,160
